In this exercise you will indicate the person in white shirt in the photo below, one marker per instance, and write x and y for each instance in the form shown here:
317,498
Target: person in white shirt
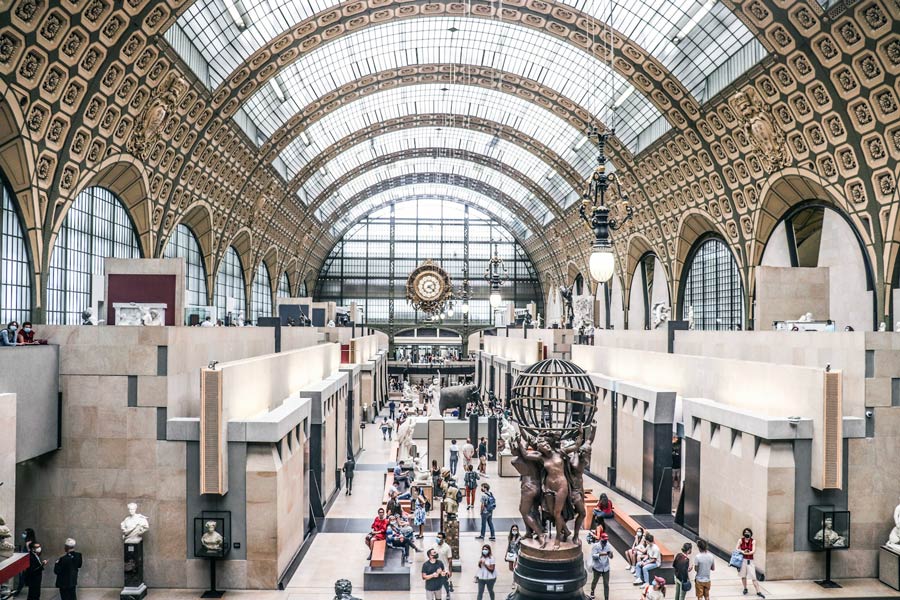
207,322
445,555
454,457
487,573
653,560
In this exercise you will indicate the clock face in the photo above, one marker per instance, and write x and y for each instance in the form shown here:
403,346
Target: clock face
428,288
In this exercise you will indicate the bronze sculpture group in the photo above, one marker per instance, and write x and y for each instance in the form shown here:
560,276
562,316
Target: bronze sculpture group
552,468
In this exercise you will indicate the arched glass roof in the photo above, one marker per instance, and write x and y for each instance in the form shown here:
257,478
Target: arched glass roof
450,99
456,138
689,37
450,166
552,62
433,190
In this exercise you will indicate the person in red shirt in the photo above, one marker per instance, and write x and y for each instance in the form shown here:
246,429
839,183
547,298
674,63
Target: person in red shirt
747,545
377,532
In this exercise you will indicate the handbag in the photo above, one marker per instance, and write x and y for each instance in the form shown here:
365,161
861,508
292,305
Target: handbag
686,586
737,559
510,557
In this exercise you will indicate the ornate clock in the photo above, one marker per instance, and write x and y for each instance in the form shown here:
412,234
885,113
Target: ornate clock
428,288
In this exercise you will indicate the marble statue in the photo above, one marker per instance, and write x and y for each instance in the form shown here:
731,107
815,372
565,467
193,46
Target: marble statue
7,548
150,317
894,538
508,432
661,314
539,321
897,327
882,326
407,393
583,311
134,526
404,438
828,536
87,317
690,317
331,322
212,540
433,393
451,506
343,590
421,474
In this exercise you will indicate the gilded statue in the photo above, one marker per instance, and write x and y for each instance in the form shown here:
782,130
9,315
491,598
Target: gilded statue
765,135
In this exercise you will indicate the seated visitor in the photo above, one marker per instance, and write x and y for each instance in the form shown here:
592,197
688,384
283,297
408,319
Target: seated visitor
603,510
638,548
377,531
393,507
652,561
8,336
399,534
400,476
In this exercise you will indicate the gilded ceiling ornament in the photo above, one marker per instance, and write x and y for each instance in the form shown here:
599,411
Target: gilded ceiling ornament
160,106
765,136
428,288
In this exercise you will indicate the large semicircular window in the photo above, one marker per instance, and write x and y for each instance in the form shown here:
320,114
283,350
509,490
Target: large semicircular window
713,291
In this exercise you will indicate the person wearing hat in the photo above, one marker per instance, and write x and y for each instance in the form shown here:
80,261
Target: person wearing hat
655,590
66,571
601,553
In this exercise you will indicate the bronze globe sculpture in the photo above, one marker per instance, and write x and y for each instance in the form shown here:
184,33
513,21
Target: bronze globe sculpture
553,402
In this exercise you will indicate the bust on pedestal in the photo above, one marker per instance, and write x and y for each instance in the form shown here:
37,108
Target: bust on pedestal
133,528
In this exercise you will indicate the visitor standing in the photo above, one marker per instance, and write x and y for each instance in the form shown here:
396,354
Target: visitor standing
601,553
445,555
482,456
454,457
487,572
392,408
747,545
682,565
66,571
468,452
704,565
436,479
488,504
471,481
35,572
28,538
419,511
512,546
385,427
433,573
349,467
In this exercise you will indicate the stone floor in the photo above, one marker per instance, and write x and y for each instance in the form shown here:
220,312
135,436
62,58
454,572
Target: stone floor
338,553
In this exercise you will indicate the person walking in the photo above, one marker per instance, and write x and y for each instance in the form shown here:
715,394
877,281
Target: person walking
468,452
482,456
433,573
601,554
349,467
487,572
34,574
488,504
454,457
445,555
704,565
512,546
66,571
682,565
471,482
390,424
747,545
385,427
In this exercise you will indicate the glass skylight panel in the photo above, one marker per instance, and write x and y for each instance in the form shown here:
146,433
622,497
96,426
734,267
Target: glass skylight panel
455,101
439,191
428,165
453,138
555,63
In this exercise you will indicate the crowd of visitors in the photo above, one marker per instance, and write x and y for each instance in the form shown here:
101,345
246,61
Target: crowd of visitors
65,569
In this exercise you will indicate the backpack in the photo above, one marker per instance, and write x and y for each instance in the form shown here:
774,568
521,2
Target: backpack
471,480
459,495
490,503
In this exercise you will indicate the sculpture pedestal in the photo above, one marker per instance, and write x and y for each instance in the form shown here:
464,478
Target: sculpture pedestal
451,529
545,573
134,589
506,467
889,567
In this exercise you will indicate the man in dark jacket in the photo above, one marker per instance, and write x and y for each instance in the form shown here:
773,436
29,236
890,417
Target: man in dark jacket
349,467
66,570
35,572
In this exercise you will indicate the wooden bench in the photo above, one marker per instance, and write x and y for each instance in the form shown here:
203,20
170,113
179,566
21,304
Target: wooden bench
631,526
379,547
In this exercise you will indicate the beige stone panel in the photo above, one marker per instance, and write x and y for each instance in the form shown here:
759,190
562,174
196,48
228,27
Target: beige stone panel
630,454
141,454
141,423
602,450
262,517
261,574
291,502
152,391
785,293
112,453
329,441
166,570
112,423
79,421
170,454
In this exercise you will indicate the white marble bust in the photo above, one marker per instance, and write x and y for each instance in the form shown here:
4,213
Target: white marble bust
212,540
134,526
894,538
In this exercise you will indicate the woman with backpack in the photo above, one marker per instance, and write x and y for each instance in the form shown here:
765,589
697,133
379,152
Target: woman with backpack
471,481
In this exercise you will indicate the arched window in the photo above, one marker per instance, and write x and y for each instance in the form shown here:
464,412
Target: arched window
284,286
713,288
230,295
303,293
261,294
183,244
15,279
97,226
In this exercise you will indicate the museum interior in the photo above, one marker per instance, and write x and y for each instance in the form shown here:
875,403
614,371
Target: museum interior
582,298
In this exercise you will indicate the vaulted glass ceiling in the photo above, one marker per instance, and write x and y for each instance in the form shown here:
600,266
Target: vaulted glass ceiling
450,166
454,100
514,49
433,190
455,138
689,37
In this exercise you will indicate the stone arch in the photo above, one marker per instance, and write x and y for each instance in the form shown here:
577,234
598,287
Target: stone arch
270,259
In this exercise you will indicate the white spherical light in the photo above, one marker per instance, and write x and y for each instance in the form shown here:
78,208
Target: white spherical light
495,299
602,264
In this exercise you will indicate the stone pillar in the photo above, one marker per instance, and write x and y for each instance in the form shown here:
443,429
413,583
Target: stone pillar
436,440
492,438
